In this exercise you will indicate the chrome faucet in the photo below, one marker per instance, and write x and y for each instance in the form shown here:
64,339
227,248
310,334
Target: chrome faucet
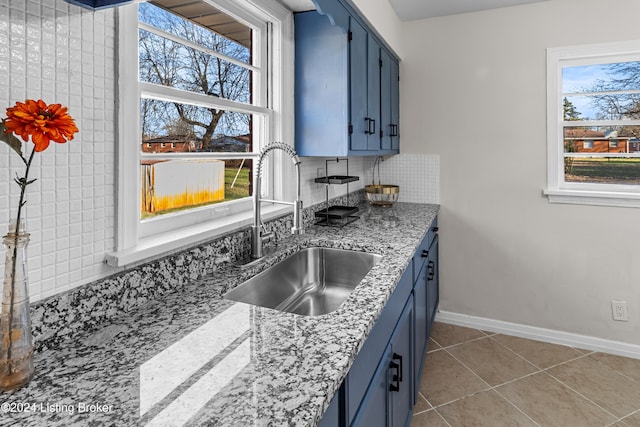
256,229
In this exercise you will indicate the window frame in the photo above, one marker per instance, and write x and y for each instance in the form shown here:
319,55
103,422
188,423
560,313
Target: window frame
135,241
558,190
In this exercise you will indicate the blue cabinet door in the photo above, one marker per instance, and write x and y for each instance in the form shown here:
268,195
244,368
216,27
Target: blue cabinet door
395,105
433,283
374,409
331,417
321,87
420,323
364,66
389,103
358,79
373,95
401,369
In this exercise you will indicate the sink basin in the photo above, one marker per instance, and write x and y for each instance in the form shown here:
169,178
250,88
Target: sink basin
311,282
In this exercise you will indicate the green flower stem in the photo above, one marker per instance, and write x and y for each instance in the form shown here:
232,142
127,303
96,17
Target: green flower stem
22,182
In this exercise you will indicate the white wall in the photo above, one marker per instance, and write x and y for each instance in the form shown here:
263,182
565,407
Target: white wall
473,92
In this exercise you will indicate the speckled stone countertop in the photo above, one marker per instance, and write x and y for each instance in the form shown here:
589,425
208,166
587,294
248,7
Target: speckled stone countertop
193,358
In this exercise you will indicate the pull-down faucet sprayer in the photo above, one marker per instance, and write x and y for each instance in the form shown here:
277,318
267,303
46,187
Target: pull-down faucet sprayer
256,228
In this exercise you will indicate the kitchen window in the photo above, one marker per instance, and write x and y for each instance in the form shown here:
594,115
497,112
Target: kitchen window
205,87
593,124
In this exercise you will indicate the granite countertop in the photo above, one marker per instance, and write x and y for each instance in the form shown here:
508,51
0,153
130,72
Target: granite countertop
193,358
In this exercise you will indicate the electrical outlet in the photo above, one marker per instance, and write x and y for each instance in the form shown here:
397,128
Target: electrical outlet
619,309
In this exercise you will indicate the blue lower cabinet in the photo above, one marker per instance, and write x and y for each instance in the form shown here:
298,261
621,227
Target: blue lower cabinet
382,384
370,356
389,398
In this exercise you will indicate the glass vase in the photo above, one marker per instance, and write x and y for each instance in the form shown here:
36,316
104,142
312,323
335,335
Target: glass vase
16,347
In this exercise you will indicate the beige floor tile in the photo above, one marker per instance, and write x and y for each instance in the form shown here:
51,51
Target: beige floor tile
633,420
612,391
432,345
491,361
486,409
541,354
445,379
446,334
624,365
421,404
550,403
428,419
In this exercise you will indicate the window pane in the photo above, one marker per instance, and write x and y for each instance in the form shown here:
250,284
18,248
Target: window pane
601,91
601,107
173,64
600,139
188,128
614,170
174,185
200,23
619,76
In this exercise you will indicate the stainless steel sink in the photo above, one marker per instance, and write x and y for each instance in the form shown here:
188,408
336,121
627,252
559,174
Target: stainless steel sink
311,282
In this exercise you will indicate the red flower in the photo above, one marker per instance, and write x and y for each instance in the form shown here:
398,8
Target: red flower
44,123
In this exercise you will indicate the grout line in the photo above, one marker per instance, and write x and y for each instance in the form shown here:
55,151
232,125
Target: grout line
637,412
610,367
461,343
582,395
517,354
516,406
442,417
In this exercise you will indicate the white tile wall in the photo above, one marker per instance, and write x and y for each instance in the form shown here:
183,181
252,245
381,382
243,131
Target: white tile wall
418,176
313,167
62,54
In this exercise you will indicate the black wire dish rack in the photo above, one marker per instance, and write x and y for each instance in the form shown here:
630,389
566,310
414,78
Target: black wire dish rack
337,215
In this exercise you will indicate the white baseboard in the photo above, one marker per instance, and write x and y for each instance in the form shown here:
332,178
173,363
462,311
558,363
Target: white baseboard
541,334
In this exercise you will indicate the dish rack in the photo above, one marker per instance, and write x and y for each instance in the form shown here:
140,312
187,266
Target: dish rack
337,215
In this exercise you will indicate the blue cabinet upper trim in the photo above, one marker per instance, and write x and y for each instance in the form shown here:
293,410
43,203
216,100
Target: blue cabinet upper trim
98,4
335,12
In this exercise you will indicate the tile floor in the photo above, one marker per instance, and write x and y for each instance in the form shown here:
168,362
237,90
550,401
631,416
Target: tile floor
476,378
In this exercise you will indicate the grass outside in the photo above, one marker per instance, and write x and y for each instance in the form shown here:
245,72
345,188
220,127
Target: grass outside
605,171
239,190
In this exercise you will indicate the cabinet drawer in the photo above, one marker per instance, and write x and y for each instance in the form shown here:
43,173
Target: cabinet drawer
368,358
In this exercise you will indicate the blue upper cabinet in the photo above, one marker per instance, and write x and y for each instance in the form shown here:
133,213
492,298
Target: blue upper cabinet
345,99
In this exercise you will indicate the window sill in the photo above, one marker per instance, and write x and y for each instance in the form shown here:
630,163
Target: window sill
596,198
176,240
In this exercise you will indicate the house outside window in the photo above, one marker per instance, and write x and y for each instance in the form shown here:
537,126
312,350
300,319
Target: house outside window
202,91
593,116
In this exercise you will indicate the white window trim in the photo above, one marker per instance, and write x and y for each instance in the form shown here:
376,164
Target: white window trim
559,191
130,247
